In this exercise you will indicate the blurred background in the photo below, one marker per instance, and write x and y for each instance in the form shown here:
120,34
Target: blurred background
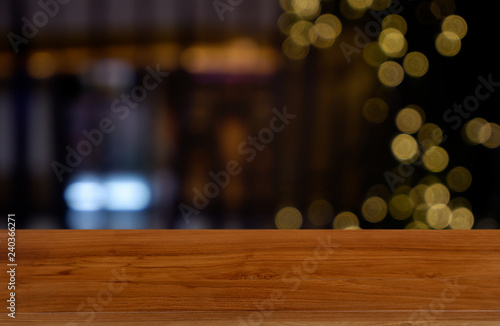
250,113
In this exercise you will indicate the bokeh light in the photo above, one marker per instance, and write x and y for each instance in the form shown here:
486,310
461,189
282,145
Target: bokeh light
374,209
442,8
462,219
390,73
300,32
494,140
416,64
396,22
307,9
436,159
477,131
439,216
437,194
417,196
459,179
345,220
392,42
373,54
401,207
293,50
456,25
404,147
323,33
288,218
430,135
448,43
380,4
408,120
360,4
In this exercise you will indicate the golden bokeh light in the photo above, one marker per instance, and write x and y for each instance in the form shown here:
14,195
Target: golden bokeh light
459,179
345,220
416,225
442,8
320,212
307,9
349,11
288,218
286,21
41,65
456,25
360,4
390,73
375,110
448,43
437,194
436,159
459,202
287,5
293,50
461,219
430,135
420,213
494,140
401,207
325,30
374,209
380,4
395,21
373,54
300,32
477,131
408,120
392,42
417,196
439,216
416,64
404,147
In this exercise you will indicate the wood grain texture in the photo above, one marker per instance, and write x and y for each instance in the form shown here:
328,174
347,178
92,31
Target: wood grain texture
250,277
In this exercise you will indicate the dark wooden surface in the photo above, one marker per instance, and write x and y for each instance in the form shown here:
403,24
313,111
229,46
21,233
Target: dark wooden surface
250,277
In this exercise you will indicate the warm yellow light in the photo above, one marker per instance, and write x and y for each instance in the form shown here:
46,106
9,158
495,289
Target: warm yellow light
288,218
392,42
408,121
320,212
345,220
350,12
360,4
293,50
41,65
380,4
374,209
395,21
459,179
448,43
390,74
462,219
325,30
416,225
404,147
436,159
494,140
286,21
401,207
300,32
430,135
307,9
477,131
459,202
455,24
287,5
375,110
416,64
417,196
437,194
439,216
442,8
373,54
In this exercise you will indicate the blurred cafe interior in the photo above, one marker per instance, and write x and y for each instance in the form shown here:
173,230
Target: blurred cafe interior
250,114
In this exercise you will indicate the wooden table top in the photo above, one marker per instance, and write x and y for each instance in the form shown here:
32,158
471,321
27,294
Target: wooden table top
255,277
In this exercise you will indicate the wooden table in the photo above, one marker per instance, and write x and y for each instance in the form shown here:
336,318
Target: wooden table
249,277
